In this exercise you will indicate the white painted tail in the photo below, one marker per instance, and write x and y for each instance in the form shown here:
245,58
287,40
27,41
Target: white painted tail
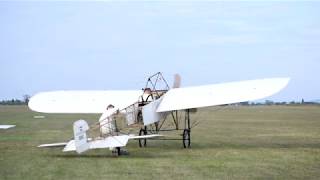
80,136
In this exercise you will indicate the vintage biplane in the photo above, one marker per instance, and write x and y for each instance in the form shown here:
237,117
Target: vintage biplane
146,110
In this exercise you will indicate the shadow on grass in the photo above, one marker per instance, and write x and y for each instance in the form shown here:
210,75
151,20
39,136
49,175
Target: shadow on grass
237,145
156,150
135,155
257,145
81,156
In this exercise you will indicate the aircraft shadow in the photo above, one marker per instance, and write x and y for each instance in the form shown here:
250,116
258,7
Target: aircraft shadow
71,156
153,151
108,155
231,145
253,146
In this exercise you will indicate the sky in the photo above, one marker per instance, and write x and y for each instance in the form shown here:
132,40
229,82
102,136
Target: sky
47,46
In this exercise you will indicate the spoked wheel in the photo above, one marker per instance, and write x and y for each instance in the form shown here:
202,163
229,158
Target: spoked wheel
186,138
142,142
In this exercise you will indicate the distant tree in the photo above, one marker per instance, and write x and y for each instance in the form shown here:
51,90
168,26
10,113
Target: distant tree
292,102
12,102
302,101
26,98
268,102
246,103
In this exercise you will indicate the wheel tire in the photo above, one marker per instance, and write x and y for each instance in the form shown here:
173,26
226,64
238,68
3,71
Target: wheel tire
139,117
118,151
142,142
186,138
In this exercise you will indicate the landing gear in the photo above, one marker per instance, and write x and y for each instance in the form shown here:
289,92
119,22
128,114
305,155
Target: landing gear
117,151
143,142
139,117
186,136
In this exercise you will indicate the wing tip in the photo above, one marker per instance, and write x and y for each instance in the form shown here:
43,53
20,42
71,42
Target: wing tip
283,82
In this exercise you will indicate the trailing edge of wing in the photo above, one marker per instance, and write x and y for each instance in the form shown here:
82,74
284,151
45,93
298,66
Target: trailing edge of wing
81,101
220,94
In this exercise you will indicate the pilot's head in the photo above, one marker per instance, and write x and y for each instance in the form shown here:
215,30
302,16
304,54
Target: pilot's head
110,106
147,91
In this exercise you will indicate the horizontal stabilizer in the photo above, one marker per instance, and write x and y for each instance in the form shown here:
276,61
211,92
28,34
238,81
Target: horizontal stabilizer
53,145
6,126
220,94
109,142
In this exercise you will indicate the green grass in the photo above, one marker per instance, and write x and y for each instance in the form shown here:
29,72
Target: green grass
273,142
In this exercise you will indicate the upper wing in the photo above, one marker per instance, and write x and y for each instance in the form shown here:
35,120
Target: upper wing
219,94
81,101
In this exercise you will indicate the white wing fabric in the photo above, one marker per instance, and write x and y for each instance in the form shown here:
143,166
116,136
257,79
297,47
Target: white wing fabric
220,94
81,101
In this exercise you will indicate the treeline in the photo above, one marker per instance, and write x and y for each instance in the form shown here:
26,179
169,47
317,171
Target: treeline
269,102
16,101
13,102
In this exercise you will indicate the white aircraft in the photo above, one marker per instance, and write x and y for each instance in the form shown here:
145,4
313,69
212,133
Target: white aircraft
147,109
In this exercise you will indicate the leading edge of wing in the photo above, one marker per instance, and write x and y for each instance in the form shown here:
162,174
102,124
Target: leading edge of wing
81,101
220,94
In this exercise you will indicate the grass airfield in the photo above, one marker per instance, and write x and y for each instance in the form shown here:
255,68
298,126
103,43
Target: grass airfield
244,142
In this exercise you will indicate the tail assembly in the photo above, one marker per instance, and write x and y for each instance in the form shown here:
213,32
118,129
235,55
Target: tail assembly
80,136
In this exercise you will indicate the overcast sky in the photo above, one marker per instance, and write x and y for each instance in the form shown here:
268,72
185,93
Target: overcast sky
108,45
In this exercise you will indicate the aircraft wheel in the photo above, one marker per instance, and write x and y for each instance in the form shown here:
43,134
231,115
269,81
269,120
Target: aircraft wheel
140,117
142,142
118,151
186,138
